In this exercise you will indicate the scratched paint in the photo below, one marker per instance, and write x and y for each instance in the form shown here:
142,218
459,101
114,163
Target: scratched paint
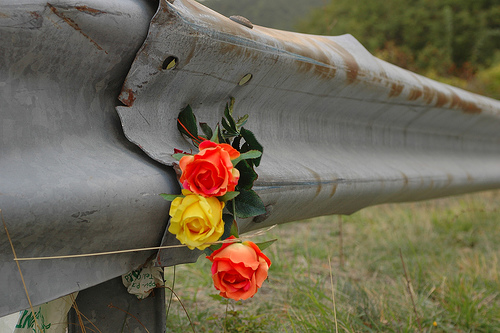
89,10
74,25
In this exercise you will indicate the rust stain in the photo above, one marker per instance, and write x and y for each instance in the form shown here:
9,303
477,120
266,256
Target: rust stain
91,11
318,180
352,69
414,94
167,18
472,108
225,23
325,69
396,89
129,101
326,72
455,100
442,99
226,48
405,179
304,66
465,106
291,43
190,56
428,94
334,190
3,15
74,25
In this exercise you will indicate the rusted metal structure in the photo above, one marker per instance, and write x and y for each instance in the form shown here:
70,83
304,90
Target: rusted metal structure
342,130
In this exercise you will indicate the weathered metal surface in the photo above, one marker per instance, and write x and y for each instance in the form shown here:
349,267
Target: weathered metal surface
342,130
70,182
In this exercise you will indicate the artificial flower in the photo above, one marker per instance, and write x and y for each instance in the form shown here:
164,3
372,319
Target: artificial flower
239,269
210,172
196,220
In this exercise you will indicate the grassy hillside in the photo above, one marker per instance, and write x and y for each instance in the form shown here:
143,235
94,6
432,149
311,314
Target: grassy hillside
451,257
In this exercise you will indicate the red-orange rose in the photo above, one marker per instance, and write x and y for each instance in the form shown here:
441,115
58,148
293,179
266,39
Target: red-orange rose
210,172
239,269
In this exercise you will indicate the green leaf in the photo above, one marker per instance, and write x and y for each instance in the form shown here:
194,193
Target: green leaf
231,106
218,297
247,175
228,114
264,245
234,230
186,123
220,137
228,196
178,156
228,224
207,130
236,143
171,197
251,143
232,207
248,204
249,155
216,134
229,130
241,121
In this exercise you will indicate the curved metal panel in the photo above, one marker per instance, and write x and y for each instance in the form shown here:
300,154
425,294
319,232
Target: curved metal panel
342,130
70,182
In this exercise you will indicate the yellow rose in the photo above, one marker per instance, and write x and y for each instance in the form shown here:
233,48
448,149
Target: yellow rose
196,220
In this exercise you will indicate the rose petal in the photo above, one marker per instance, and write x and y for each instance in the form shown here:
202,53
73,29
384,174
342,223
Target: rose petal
239,253
210,172
207,144
196,220
261,273
233,153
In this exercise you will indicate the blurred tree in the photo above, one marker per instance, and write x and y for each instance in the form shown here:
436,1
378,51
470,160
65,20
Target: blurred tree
451,37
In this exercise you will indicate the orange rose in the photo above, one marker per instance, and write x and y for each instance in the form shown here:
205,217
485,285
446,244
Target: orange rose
210,172
239,269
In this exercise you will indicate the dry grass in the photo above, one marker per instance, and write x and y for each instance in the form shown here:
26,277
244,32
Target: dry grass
451,250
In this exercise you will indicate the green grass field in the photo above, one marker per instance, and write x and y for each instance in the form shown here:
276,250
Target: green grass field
450,248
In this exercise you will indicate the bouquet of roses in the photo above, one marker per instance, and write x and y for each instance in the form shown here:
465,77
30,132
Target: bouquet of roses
217,188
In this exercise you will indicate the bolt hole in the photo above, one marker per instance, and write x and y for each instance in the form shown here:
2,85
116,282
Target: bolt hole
245,79
170,63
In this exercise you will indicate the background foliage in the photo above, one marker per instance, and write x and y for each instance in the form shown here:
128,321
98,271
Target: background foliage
324,276
450,36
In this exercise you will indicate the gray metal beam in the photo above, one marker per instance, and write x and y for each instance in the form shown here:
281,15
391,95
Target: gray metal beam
70,182
342,130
